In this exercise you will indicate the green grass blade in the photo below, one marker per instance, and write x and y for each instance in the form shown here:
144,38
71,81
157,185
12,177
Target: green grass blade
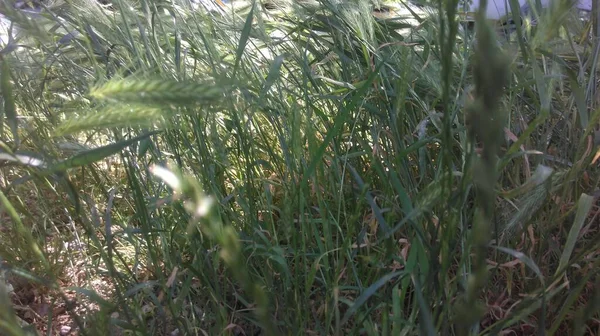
583,208
525,259
426,325
26,233
367,293
90,156
339,122
274,74
244,38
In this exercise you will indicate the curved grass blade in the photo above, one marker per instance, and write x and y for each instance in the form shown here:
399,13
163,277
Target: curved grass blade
540,176
527,307
96,154
534,267
244,38
567,304
92,295
583,208
27,276
370,291
525,259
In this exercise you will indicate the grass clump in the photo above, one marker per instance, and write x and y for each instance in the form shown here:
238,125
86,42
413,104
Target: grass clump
308,168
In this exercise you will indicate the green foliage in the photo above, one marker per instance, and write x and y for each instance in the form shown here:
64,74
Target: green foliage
307,170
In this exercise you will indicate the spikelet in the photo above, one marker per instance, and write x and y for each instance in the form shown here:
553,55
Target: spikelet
158,91
114,116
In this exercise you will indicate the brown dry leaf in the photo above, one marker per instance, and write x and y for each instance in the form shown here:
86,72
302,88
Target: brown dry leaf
233,326
510,264
596,156
531,235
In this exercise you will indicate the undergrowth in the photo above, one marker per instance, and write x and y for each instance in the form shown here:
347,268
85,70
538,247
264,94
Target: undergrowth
306,168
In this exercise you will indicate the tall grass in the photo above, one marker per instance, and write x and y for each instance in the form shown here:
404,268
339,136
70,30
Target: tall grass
308,170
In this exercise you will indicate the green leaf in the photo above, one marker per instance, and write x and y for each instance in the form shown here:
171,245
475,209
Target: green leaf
96,154
23,231
580,102
274,74
368,292
525,259
244,38
339,122
583,208
371,200
92,295
145,145
426,323
542,89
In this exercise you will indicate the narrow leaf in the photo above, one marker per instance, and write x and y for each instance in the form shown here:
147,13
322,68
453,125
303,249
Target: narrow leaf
525,259
580,102
244,38
23,231
339,122
274,74
583,208
370,291
96,154
426,323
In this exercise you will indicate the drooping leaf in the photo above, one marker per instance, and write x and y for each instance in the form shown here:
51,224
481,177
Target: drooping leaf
525,259
368,292
96,154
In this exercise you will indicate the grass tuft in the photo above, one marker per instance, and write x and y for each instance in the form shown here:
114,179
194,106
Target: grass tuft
313,167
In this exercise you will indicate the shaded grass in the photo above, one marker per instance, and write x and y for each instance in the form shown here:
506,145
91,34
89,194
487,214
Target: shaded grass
338,177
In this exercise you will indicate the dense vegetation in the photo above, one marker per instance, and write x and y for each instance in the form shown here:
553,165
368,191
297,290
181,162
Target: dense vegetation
311,169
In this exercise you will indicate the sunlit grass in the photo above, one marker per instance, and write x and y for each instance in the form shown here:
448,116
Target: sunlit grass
314,169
